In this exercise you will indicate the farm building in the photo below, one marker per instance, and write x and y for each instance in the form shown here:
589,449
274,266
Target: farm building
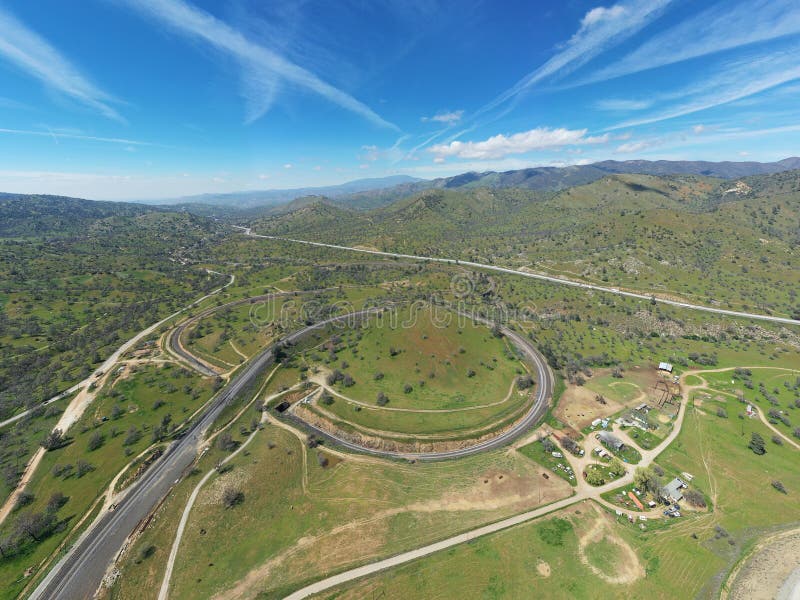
610,440
665,366
672,491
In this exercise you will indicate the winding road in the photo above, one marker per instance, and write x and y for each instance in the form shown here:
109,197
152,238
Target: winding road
589,286
79,573
544,393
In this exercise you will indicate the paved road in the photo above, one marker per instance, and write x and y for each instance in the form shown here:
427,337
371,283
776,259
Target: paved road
111,360
569,282
544,392
406,557
79,573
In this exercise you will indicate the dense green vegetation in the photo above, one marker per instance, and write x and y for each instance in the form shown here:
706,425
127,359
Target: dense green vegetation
699,238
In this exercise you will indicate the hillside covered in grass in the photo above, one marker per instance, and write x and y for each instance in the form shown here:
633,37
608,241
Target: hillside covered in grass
727,242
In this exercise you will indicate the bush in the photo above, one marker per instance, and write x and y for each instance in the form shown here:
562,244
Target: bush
779,486
722,413
407,389
382,399
145,553
232,496
57,500
24,499
96,441
757,444
54,440
226,443
776,439
695,498
82,468
133,436
524,382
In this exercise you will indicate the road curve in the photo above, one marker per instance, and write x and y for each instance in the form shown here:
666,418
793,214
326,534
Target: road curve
569,282
79,573
405,557
544,392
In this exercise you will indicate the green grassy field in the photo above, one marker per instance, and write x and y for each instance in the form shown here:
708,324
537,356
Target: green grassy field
433,354
305,519
144,399
680,557
536,452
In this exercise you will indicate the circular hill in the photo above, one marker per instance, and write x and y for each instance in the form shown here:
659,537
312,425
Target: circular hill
417,377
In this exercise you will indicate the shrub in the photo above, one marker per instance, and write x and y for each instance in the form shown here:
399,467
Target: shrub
24,499
524,382
407,389
53,440
232,496
382,399
722,413
695,498
757,444
145,553
96,441
82,468
779,486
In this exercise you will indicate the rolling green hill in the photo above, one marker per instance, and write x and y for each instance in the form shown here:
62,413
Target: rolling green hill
732,243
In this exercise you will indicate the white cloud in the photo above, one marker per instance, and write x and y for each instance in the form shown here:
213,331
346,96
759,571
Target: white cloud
31,53
288,166
622,105
698,129
370,153
724,26
446,117
600,13
439,160
364,166
263,176
57,134
501,145
632,147
217,180
731,81
265,71
600,30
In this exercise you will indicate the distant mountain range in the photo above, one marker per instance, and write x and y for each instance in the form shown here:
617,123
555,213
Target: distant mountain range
559,178
260,198
367,194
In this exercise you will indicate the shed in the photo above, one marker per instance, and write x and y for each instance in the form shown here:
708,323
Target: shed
672,491
665,366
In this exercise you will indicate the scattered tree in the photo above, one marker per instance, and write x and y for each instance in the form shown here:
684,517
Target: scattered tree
757,444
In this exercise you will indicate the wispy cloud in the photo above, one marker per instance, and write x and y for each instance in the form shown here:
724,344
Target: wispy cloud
34,55
601,29
57,135
449,117
724,26
622,105
499,146
265,71
731,81
14,104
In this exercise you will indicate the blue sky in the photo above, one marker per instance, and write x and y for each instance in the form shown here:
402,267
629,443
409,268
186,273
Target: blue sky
134,99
